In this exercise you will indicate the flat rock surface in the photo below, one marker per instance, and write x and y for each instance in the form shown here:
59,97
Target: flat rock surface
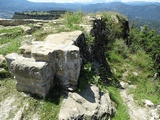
88,104
67,38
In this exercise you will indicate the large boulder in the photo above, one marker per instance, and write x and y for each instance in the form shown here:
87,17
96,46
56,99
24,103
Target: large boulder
33,77
88,104
56,56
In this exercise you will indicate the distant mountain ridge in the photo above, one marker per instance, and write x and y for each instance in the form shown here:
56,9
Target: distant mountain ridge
133,10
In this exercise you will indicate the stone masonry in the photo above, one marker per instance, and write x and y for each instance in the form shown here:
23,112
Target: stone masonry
43,61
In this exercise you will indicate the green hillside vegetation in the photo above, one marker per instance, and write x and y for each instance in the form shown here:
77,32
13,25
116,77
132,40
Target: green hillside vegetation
137,51
44,15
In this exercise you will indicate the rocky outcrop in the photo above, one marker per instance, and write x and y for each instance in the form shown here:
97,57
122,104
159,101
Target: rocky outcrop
88,104
42,61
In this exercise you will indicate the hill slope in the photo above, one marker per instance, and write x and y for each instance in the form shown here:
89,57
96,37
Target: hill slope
148,11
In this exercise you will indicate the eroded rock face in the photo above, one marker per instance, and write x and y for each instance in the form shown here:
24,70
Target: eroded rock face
68,65
89,104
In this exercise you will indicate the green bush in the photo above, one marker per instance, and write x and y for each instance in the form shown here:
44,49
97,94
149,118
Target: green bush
142,60
72,18
118,52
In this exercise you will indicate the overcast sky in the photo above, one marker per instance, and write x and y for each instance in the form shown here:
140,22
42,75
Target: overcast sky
70,1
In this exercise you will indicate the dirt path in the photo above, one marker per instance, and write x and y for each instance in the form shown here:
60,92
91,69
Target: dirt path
137,112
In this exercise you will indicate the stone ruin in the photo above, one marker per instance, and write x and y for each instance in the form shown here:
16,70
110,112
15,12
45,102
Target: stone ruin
57,57
60,56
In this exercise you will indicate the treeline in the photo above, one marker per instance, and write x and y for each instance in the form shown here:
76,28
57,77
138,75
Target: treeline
147,40
42,15
152,24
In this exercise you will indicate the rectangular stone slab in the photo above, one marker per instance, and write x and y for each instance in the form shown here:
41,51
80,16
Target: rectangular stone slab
34,77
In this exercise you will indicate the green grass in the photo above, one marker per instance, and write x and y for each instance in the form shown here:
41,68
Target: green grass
90,77
42,108
12,46
122,111
140,63
10,33
11,30
11,41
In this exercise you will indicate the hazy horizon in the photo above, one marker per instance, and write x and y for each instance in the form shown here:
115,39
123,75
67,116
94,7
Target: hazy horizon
92,1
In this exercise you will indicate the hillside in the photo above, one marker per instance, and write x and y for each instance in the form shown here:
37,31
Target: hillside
115,64
134,11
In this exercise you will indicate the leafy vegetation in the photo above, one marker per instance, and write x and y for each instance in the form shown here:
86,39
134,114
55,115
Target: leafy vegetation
72,19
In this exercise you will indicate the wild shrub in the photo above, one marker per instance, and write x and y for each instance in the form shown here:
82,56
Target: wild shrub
72,18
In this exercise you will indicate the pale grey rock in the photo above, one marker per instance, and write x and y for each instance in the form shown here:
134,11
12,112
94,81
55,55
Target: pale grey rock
135,74
26,29
67,38
10,58
124,85
2,60
68,65
3,35
147,103
33,77
57,56
158,108
25,50
154,114
88,104
40,51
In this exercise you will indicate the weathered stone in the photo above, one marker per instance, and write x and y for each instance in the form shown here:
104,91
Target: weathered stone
26,29
40,51
89,104
65,59
124,85
26,50
158,108
10,58
68,65
62,56
33,77
147,103
2,60
67,38
3,35
135,74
